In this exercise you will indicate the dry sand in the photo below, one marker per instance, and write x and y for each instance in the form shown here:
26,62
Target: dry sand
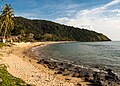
19,63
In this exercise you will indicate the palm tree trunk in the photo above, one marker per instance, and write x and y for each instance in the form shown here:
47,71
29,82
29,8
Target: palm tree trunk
4,38
1,26
5,32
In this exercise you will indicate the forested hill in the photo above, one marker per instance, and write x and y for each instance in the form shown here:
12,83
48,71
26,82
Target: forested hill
43,30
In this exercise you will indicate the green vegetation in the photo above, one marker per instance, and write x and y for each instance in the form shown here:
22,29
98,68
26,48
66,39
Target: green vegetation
7,79
6,20
42,30
2,44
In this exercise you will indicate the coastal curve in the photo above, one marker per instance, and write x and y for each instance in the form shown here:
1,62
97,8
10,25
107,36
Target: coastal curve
20,64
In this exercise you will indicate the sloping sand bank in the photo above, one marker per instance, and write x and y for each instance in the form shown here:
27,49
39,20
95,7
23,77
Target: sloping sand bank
21,65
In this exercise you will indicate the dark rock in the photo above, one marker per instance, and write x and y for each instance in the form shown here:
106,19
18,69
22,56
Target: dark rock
92,81
96,77
61,64
87,77
28,85
78,84
60,69
46,62
66,66
66,69
67,79
43,61
97,67
58,72
112,74
74,75
111,77
99,83
77,70
79,75
32,75
108,77
40,61
66,74
109,70
29,60
51,67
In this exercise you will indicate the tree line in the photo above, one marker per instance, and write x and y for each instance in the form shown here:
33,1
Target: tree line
43,30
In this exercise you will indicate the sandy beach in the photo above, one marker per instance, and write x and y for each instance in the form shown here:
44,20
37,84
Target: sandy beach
20,63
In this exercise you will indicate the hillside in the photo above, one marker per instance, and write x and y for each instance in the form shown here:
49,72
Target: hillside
43,30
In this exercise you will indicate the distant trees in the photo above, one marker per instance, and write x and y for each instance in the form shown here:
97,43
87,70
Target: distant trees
43,30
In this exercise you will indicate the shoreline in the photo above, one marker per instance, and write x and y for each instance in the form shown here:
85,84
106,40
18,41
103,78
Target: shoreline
21,64
101,72
74,80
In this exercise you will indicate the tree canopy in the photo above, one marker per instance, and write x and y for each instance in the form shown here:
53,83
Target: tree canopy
6,20
43,30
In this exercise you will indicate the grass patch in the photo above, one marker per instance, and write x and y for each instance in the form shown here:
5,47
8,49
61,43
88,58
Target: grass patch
2,44
6,79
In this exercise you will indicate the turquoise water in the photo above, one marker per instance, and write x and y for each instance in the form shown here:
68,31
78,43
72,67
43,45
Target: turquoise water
105,54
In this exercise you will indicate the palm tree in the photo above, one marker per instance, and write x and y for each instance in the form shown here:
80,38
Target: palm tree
7,20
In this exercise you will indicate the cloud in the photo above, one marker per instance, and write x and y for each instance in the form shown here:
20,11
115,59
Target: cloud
116,10
104,19
114,2
46,9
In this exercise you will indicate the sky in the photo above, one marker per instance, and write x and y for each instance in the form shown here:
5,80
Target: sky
99,15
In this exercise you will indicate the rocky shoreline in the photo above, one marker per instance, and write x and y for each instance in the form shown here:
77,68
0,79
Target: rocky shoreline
97,76
21,64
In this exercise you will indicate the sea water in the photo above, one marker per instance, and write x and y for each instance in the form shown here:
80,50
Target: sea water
103,54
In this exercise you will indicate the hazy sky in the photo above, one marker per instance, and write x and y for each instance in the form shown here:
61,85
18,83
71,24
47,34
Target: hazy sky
99,15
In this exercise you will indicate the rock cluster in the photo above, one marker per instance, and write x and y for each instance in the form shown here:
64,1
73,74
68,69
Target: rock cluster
106,78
